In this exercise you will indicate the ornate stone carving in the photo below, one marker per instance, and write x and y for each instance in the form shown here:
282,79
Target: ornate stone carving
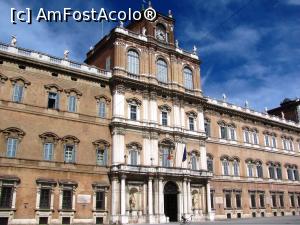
3,78
14,80
118,131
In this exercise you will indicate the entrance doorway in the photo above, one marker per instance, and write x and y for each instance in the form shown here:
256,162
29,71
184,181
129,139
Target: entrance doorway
170,201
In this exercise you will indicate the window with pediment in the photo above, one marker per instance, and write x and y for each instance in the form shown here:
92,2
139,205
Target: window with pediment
102,149
49,141
19,86
103,103
13,137
166,149
134,153
134,108
73,97
70,144
53,91
165,114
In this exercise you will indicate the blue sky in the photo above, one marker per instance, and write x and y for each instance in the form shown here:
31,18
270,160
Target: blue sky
250,49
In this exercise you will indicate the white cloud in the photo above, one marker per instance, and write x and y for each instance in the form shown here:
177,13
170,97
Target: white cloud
293,2
51,38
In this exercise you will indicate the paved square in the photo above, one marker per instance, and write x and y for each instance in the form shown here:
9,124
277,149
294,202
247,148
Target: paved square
292,220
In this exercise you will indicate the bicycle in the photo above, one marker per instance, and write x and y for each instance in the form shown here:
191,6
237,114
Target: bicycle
185,221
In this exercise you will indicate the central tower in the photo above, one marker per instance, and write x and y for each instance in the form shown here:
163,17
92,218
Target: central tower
157,125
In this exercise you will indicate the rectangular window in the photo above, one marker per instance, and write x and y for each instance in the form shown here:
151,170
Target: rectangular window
290,174
250,170
69,154
274,142
194,162
100,200
259,171
6,197
212,199
247,139
279,173
291,145
48,151
267,143
210,165
262,200
67,199
298,197
292,201
191,123
235,168
238,200
133,157
133,112
53,100
102,110
45,197
271,172
296,174
207,128
18,93
225,168
223,132
166,158
255,138
164,118
253,201
228,200
281,201
232,133
72,103
107,63
11,149
101,157
274,203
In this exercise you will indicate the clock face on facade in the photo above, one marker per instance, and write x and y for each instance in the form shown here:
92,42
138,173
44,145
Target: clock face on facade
160,33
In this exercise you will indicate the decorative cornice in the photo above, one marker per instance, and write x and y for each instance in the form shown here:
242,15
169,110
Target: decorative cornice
19,78
74,90
53,86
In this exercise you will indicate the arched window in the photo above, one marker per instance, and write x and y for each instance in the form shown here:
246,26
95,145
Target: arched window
133,62
162,70
188,78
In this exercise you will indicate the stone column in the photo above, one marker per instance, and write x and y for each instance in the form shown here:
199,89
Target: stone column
184,188
118,146
114,199
189,199
203,159
162,218
150,201
124,218
210,216
153,108
176,112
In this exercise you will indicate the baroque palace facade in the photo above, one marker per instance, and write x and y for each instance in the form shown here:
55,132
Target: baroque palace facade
105,141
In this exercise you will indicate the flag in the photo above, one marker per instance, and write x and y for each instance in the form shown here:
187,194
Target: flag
184,154
169,156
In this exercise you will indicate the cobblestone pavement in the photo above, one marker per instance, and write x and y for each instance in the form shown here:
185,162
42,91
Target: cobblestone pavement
292,220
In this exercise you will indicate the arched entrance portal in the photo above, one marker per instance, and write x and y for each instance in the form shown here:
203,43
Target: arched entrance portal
170,201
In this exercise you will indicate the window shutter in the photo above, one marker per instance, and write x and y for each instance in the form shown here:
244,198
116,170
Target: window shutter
74,154
105,157
57,101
